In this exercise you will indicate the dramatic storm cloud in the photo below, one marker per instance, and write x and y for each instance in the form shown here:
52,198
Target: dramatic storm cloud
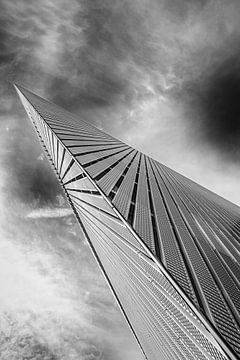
162,76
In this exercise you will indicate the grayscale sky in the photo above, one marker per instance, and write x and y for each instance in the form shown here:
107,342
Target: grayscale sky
163,76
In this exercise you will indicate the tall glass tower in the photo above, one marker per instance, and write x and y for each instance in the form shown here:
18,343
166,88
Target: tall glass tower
169,248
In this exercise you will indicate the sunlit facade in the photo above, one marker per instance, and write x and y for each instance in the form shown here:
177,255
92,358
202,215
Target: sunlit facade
168,247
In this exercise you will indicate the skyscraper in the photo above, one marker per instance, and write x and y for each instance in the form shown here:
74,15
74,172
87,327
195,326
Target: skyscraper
168,247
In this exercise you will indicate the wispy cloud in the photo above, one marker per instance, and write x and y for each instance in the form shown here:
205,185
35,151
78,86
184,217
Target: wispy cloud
49,213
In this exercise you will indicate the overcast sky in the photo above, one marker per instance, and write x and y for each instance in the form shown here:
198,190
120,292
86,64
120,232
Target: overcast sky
162,76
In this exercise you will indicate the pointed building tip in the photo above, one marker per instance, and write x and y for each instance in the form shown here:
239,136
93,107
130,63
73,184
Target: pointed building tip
15,86
20,87
18,90
21,91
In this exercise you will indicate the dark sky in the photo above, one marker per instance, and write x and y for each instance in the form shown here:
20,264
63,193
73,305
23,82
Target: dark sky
162,76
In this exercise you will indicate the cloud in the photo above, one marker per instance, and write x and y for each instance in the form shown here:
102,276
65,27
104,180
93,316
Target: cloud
33,308
51,290
31,36
106,60
27,177
214,104
49,213
133,54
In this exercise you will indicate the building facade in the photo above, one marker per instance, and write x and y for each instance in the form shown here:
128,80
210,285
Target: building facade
168,247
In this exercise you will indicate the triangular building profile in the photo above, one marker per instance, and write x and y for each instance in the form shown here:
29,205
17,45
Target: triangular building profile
169,248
